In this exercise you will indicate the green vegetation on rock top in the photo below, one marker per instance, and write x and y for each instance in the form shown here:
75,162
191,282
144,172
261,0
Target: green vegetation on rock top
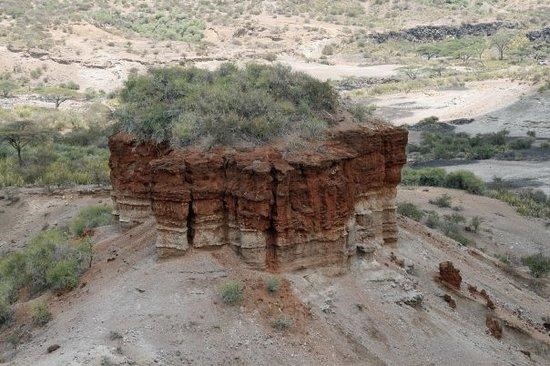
227,106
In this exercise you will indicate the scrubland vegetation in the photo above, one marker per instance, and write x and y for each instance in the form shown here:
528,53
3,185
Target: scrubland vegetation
89,218
232,292
48,147
527,202
228,106
52,260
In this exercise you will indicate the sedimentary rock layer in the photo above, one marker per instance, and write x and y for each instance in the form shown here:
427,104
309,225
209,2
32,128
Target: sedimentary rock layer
277,210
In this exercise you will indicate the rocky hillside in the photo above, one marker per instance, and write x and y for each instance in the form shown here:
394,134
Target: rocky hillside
397,307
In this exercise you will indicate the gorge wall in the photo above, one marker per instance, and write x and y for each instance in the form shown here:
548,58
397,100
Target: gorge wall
278,210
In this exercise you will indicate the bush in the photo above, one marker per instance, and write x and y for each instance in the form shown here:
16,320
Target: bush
272,284
50,261
525,204
434,177
432,220
442,201
63,275
521,144
475,223
226,106
232,292
451,229
465,180
282,323
6,311
40,314
410,210
538,264
455,217
436,145
89,218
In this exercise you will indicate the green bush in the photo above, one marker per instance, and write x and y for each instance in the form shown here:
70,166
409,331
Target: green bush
475,223
465,180
432,220
525,204
89,218
442,201
452,230
521,144
6,311
226,106
232,292
63,275
40,314
434,177
50,261
272,284
538,264
436,145
410,210
281,323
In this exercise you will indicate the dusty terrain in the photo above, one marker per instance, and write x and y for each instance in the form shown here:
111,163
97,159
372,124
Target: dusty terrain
475,100
502,232
121,315
132,308
24,213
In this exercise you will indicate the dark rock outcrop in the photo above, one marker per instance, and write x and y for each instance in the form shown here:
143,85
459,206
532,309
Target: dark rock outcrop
430,33
539,35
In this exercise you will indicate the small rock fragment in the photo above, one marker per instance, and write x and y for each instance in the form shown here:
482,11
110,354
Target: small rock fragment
449,300
494,326
449,274
53,347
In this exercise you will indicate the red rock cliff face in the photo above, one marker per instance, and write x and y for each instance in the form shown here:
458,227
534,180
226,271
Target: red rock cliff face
278,211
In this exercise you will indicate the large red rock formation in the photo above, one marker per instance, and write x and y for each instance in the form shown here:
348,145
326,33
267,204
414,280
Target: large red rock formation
277,209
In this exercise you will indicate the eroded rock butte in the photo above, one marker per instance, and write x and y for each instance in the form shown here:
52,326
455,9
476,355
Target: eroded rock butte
279,210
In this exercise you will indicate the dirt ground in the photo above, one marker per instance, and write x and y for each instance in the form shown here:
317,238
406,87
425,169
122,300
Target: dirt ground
25,212
503,231
134,309
475,100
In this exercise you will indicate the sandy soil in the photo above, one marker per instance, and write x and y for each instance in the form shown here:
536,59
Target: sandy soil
340,71
529,113
477,99
503,231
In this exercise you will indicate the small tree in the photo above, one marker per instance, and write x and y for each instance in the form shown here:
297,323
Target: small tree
19,134
429,51
58,95
501,40
7,87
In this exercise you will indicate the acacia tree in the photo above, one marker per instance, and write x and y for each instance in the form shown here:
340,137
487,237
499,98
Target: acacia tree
19,134
501,40
58,95
7,87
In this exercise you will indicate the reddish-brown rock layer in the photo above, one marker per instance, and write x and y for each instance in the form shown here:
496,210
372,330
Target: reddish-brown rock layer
449,274
281,211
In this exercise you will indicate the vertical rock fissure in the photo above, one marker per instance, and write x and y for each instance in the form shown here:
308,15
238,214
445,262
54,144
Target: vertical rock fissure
225,209
271,252
190,222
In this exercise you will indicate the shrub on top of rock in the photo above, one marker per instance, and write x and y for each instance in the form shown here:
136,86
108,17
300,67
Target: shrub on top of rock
227,106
